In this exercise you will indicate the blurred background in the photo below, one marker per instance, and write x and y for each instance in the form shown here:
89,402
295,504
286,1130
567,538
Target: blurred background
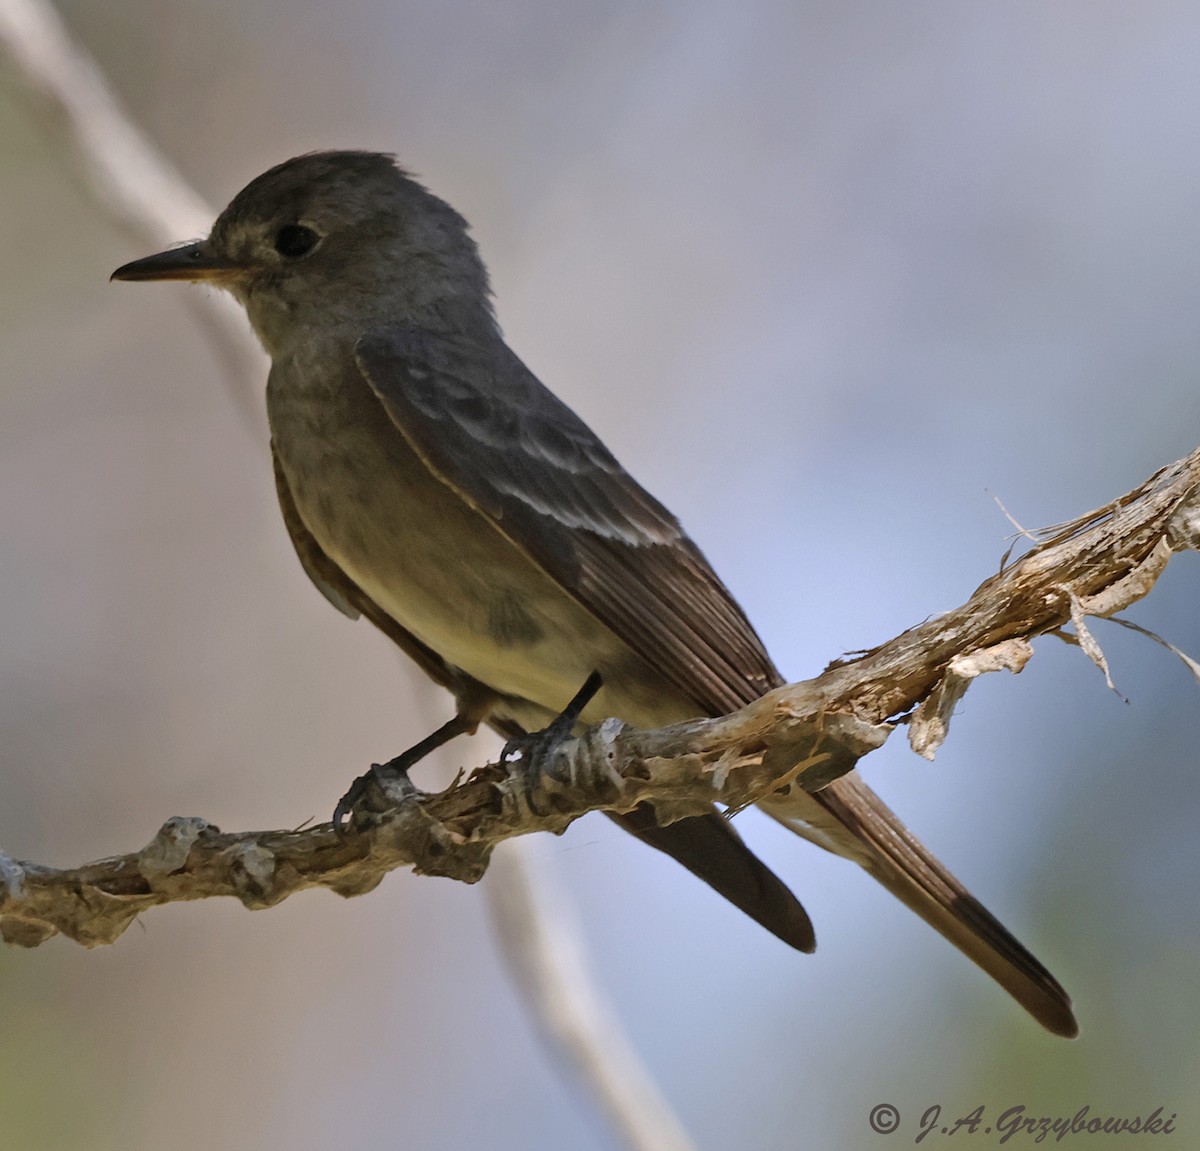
827,276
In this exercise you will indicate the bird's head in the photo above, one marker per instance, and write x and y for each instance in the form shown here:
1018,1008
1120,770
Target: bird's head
330,242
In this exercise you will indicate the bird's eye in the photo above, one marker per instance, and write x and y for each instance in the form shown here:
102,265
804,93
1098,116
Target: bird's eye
295,240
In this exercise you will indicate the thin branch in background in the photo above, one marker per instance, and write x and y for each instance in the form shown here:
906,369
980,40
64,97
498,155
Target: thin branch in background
143,193
129,178
537,928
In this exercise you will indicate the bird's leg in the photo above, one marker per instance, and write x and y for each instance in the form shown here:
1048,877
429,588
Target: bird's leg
535,746
471,710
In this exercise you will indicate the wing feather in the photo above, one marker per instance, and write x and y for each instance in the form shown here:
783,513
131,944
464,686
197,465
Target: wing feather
486,425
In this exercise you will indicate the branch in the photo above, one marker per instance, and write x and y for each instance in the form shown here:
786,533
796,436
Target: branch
802,735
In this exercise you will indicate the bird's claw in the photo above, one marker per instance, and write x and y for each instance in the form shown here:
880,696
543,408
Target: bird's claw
382,776
535,747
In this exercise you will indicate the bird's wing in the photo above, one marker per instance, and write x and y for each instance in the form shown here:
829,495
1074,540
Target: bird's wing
509,447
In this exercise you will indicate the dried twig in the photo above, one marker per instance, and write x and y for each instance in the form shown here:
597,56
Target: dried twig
802,735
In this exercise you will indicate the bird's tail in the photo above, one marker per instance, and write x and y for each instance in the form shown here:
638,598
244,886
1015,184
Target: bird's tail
850,819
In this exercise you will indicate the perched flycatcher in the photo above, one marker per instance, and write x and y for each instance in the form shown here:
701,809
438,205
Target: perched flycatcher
431,483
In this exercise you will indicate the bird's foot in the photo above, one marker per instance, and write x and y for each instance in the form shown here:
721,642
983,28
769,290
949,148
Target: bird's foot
389,779
536,748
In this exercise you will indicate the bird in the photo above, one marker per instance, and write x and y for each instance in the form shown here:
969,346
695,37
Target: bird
433,485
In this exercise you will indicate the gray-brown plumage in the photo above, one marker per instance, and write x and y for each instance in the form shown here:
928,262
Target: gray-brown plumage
432,484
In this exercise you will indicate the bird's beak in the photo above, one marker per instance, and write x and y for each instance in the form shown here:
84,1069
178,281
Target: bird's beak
193,262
